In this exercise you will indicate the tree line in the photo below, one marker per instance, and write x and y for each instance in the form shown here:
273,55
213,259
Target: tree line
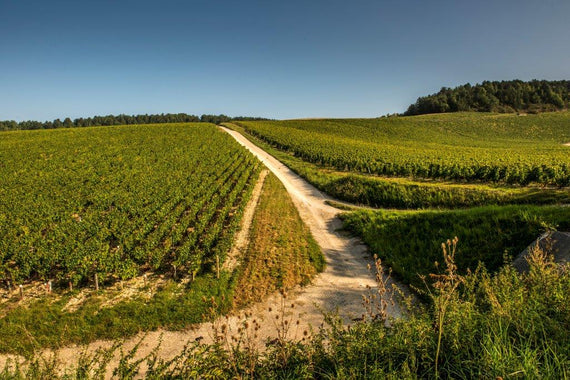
504,96
10,125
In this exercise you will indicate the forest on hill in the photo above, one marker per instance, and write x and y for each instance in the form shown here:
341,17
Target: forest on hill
10,125
504,96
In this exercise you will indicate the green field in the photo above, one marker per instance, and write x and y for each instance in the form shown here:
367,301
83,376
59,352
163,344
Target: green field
119,201
461,147
482,178
122,201
409,242
281,254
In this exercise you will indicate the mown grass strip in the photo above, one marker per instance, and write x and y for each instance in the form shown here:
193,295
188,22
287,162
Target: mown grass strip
281,252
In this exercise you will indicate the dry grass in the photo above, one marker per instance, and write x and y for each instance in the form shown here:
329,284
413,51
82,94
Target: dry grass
281,253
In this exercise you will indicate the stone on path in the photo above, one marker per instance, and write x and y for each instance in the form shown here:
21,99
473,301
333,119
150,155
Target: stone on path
554,243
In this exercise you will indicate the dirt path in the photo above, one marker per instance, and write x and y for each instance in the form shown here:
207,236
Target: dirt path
346,277
339,288
241,239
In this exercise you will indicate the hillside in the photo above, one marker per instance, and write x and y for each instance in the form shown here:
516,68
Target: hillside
442,162
457,147
476,324
108,231
117,201
504,96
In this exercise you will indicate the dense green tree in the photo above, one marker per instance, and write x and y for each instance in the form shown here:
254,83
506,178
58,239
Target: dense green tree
121,119
505,96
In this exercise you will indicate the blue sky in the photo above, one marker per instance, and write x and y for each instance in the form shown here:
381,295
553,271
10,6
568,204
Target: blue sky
279,59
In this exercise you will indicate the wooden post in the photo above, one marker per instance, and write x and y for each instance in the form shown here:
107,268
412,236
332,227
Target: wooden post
9,287
174,266
96,282
217,266
21,292
144,277
49,286
70,286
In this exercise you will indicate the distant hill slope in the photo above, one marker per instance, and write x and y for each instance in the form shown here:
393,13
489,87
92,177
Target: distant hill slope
461,146
505,96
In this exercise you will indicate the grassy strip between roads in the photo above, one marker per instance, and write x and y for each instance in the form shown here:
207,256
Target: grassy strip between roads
281,254
405,193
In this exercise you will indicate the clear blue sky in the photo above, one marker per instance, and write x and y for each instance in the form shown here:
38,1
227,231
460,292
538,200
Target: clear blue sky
280,59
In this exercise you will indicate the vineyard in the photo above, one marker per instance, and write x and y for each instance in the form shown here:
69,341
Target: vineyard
460,147
118,201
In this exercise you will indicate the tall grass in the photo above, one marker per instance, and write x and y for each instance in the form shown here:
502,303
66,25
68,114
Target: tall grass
478,325
410,241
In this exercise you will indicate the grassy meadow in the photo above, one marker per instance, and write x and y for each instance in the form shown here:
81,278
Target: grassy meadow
409,242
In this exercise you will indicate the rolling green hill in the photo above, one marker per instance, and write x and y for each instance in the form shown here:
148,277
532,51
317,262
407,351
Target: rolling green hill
442,160
118,201
461,147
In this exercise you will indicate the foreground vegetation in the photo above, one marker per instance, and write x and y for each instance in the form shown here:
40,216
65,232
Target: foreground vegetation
506,325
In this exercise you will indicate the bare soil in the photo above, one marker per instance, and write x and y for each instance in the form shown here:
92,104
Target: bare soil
242,237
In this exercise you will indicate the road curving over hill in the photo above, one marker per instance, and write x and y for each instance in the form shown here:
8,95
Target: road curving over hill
347,277
339,288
